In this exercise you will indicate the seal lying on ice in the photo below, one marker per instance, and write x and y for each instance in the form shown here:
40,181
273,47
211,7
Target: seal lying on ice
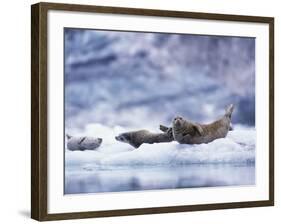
137,138
188,132
182,131
82,143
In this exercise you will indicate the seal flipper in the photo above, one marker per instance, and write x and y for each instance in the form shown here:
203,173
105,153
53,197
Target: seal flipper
80,142
195,129
198,129
163,128
186,133
229,110
135,145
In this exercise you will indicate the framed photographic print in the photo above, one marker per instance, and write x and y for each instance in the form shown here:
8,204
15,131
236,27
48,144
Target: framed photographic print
141,111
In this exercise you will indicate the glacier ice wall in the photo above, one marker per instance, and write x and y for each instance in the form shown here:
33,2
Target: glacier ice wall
135,79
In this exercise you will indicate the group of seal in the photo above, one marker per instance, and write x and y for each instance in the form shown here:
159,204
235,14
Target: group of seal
183,131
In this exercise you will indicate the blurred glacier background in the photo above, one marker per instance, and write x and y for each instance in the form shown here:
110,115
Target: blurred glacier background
121,81
138,79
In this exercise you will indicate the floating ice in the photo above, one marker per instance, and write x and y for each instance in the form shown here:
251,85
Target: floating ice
237,147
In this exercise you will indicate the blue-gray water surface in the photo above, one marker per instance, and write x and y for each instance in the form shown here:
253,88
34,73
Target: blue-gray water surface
86,180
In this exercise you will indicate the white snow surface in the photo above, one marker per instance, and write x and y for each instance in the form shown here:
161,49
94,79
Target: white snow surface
237,147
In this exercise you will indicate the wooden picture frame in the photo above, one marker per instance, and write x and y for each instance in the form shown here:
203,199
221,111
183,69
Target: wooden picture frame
39,110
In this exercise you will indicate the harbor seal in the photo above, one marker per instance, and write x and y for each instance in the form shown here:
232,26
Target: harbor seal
188,132
82,143
137,138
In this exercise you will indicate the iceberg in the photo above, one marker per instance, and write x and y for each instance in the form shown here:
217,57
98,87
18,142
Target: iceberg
117,166
237,147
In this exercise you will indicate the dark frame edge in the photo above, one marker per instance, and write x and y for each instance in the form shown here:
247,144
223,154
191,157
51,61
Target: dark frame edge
35,191
38,112
154,12
271,110
156,210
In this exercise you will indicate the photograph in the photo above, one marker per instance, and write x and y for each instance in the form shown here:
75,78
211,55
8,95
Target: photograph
157,111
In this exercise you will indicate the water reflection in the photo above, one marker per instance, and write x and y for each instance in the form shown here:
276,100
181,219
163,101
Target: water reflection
161,177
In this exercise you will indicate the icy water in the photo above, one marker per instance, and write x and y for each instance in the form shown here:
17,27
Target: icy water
117,166
160,177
